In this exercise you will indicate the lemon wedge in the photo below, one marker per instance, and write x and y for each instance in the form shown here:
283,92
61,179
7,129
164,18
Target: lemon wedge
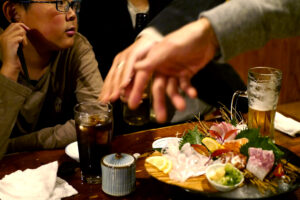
168,168
161,163
211,144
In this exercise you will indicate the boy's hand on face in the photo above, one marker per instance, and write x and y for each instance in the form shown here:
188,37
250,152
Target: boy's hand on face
10,41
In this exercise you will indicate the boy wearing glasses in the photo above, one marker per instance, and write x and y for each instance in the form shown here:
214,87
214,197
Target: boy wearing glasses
36,111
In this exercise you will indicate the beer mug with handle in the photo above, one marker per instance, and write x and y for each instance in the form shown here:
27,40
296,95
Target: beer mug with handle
263,89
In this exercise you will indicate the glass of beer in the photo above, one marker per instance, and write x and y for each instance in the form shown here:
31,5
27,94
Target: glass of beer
94,122
263,89
141,115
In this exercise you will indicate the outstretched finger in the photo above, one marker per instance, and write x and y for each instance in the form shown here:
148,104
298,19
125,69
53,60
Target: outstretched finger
117,80
186,86
172,91
108,86
159,97
141,80
137,51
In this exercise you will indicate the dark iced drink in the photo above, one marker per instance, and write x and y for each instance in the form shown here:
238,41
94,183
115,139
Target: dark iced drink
94,133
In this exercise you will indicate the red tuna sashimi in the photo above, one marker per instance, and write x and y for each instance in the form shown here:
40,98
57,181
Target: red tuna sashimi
260,162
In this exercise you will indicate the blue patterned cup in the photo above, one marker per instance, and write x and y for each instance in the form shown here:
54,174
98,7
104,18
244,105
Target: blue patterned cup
118,174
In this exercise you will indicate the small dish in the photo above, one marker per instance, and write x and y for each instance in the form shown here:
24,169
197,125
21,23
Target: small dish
72,151
211,171
162,142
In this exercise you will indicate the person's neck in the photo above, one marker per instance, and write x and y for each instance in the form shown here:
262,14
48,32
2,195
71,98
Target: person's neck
140,4
37,60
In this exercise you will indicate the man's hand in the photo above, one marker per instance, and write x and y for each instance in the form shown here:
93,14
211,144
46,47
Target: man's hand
174,61
122,72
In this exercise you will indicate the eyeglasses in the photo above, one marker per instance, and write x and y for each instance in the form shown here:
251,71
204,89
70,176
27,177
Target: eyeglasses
61,6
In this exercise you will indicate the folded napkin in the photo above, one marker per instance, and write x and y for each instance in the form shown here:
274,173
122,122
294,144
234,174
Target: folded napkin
286,125
41,184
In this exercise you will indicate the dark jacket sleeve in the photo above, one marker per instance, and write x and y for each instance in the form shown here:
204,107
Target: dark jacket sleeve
180,12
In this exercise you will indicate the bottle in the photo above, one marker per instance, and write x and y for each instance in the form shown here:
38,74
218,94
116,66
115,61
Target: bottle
142,20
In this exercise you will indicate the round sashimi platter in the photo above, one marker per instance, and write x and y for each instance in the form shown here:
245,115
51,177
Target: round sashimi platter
254,167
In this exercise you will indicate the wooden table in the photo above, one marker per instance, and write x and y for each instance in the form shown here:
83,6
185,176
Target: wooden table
139,142
292,109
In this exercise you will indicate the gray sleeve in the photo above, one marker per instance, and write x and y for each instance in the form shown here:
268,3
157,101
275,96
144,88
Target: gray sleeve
180,12
12,97
47,138
242,25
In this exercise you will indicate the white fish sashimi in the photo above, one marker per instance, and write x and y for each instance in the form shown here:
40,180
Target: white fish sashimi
186,162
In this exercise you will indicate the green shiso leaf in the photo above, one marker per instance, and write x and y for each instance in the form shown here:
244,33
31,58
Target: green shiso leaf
258,141
233,122
192,136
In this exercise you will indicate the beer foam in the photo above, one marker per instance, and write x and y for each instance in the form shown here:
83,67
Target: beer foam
263,96
261,107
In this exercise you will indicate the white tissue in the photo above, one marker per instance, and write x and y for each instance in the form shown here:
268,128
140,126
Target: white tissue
41,183
62,189
286,125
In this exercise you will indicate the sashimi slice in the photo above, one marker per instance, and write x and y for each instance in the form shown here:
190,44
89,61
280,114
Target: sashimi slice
260,162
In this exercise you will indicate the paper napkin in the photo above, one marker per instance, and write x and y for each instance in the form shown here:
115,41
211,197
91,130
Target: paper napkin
287,125
41,183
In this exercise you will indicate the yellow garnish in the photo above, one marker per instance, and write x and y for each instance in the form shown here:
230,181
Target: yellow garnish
211,144
161,163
